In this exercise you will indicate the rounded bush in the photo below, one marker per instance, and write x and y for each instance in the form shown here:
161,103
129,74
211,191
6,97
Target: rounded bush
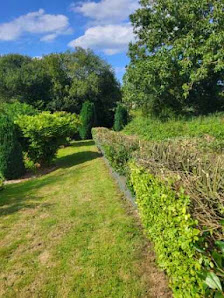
88,120
11,157
120,118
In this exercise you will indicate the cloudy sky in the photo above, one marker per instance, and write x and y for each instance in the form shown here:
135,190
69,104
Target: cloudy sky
38,27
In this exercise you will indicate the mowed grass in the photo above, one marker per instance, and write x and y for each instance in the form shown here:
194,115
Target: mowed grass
71,234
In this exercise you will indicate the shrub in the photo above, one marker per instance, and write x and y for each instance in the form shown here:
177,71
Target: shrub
1,182
45,133
11,157
14,110
179,190
88,120
120,118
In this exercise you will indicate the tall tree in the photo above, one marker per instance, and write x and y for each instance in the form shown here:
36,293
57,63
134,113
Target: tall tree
177,61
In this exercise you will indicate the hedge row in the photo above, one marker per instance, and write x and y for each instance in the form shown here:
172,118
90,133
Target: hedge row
179,191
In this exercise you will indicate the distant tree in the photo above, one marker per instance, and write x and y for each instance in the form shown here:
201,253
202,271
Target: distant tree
88,120
177,60
61,82
24,79
11,157
120,118
92,80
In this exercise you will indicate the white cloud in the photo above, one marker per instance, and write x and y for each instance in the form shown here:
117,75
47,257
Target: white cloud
111,39
37,23
107,11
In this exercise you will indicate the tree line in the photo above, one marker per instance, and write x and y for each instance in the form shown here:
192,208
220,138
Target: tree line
61,82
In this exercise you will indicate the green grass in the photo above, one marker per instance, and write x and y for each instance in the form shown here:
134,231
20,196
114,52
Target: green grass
149,129
71,234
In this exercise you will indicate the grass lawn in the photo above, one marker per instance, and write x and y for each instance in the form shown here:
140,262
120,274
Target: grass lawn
70,233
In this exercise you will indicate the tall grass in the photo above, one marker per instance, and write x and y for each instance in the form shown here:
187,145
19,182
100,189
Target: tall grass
211,127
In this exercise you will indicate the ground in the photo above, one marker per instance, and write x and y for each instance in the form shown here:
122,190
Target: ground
71,233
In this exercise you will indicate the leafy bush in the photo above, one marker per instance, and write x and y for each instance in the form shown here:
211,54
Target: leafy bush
14,110
179,192
120,118
11,157
88,120
45,132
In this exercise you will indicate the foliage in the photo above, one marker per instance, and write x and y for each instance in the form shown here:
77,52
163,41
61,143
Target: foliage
61,82
1,182
24,79
209,129
118,148
15,109
45,132
88,120
120,118
160,171
11,158
168,223
177,60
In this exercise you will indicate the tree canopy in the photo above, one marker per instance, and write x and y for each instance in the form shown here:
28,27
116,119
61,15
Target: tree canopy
61,82
177,61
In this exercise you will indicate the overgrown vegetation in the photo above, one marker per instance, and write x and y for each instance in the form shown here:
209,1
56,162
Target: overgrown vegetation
88,120
179,191
208,130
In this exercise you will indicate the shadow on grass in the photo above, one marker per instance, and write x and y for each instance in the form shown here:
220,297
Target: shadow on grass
24,195
83,143
75,159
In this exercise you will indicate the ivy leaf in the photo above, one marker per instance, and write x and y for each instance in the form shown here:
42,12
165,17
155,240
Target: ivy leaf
213,281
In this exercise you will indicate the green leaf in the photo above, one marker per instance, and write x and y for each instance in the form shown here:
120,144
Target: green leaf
219,295
220,244
218,258
213,281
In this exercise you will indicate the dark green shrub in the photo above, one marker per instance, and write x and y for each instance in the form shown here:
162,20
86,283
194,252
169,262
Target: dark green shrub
120,118
1,182
88,120
45,133
11,157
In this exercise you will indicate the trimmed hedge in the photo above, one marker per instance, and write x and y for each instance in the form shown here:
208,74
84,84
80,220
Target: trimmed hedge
11,157
88,120
120,118
179,191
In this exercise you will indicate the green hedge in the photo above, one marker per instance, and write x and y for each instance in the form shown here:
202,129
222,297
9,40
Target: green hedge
88,120
11,157
179,191
120,118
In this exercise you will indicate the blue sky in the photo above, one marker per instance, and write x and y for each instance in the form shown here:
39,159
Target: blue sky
39,27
